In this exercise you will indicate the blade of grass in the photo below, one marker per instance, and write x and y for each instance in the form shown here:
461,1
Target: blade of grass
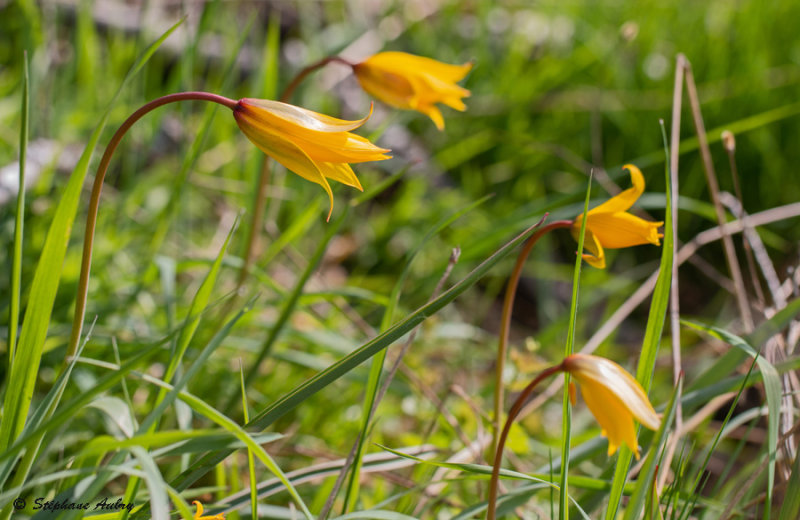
190,158
652,335
772,387
191,323
251,463
19,220
47,276
647,475
566,417
352,360
373,382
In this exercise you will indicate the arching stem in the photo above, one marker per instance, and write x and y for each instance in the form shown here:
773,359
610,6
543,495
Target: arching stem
505,319
94,201
512,414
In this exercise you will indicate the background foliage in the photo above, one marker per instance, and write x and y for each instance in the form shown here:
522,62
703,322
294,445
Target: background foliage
558,89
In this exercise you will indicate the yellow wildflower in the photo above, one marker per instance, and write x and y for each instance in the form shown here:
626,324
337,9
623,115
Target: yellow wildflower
198,515
413,82
609,226
314,146
614,397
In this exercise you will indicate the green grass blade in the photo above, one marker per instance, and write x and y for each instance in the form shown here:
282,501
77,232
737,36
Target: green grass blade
196,309
352,360
251,463
190,158
652,336
791,502
290,302
566,414
46,279
19,221
644,482
373,382
773,389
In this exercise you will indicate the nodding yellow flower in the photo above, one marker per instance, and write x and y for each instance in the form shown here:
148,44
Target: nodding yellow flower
198,515
614,397
314,146
609,226
413,82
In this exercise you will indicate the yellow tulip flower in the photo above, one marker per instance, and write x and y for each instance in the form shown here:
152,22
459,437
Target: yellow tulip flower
413,82
614,397
314,146
609,226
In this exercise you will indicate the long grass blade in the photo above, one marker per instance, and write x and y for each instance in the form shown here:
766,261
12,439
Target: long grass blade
19,221
352,360
566,409
652,336
47,276
772,387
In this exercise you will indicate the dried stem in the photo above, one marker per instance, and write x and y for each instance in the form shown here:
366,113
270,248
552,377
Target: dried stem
94,201
713,187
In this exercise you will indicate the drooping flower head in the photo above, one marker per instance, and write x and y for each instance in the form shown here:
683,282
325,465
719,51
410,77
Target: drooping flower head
614,397
413,82
610,226
314,146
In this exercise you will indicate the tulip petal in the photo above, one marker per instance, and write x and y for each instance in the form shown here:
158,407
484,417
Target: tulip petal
626,199
612,415
617,230
286,117
292,157
389,87
413,82
341,172
405,61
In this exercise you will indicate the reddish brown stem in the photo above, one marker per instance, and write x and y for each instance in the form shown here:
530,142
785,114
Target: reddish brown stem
291,87
505,319
512,414
94,201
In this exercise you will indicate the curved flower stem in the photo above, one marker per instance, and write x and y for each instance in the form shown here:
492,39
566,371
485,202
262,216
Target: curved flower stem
94,201
512,414
291,87
505,319
263,179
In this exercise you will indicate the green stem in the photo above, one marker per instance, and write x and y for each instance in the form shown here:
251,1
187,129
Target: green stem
505,319
94,201
263,179
512,414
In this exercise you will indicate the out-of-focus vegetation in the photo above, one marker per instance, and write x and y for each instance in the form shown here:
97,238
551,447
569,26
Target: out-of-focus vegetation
559,90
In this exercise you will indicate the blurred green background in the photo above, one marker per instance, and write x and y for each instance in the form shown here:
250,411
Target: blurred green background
558,89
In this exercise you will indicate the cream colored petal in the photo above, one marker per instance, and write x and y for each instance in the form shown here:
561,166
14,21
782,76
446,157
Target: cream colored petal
617,230
626,199
284,117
